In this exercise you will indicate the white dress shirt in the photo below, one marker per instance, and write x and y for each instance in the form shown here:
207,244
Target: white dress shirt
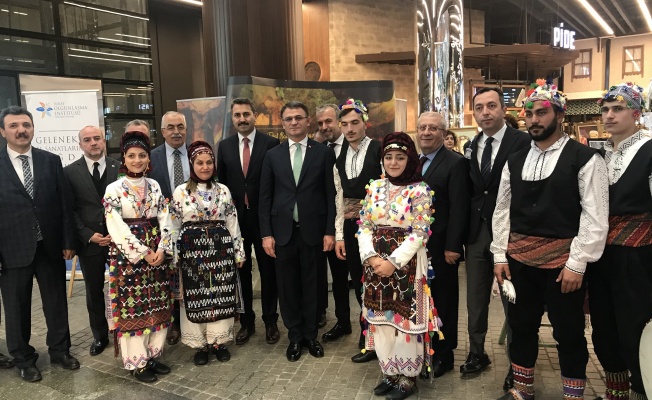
619,159
101,167
251,137
293,149
495,145
18,163
185,163
338,145
589,243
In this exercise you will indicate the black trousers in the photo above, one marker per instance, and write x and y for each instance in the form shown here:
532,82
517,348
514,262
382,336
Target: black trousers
16,285
445,291
353,260
340,285
93,267
322,294
620,299
268,289
537,290
298,286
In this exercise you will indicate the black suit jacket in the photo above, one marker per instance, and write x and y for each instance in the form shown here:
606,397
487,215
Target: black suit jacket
51,206
314,194
483,196
229,170
448,176
87,203
160,172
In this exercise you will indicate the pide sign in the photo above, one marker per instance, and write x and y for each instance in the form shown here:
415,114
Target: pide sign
563,38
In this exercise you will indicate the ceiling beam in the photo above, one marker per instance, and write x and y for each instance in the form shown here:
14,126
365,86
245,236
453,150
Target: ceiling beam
536,16
572,15
613,19
624,16
556,11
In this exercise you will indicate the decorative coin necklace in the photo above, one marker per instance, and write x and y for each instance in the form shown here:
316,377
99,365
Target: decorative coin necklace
139,196
204,200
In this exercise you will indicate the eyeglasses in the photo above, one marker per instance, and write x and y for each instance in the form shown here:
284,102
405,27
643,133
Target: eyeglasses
431,128
297,118
172,128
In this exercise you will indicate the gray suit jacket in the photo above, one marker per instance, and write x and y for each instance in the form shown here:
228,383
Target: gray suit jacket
87,203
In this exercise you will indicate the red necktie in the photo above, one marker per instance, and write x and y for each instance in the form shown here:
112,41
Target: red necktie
246,157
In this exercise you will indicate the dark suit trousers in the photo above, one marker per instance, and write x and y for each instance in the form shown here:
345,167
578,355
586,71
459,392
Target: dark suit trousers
340,275
353,260
16,284
93,268
298,286
446,295
268,290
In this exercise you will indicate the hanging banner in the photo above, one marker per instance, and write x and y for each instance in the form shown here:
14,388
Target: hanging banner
58,118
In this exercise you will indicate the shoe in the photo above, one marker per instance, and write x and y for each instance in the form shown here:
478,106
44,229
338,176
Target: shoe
174,334
336,332
157,367
201,357
509,380
439,368
272,334
6,362
321,321
475,363
221,353
367,356
30,374
315,348
98,346
243,335
399,393
385,386
293,353
66,361
425,374
144,375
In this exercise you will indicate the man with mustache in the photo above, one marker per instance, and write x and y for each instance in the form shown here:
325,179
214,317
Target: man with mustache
170,168
550,221
239,163
620,283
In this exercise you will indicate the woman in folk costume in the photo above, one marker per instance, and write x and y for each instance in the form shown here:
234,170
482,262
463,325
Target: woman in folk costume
140,226
397,305
209,249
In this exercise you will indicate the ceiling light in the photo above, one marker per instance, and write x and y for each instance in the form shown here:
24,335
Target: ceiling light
108,54
646,13
109,59
193,2
596,17
70,3
124,41
137,37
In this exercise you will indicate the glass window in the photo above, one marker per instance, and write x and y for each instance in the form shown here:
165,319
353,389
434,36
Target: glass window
27,15
8,91
102,62
128,99
132,6
633,60
27,54
582,65
115,127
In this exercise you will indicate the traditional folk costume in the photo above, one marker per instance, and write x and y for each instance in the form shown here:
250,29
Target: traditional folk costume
394,225
139,223
209,247
620,283
551,214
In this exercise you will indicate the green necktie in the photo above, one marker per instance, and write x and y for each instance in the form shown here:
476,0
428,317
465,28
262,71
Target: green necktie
296,170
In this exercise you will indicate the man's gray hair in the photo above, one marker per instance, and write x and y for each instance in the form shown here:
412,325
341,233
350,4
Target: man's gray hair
90,126
325,107
171,113
433,114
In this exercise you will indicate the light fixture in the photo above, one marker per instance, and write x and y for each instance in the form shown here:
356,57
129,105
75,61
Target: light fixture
109,59
70,3
193,2
646,13
108,54
132,36
596,17
124,41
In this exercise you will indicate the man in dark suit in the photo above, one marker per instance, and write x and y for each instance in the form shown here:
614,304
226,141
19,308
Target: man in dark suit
297,223
170,168
36,236
239,162
88,178
447,173
487,156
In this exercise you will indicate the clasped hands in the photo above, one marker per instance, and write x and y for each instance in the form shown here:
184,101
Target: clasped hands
382,267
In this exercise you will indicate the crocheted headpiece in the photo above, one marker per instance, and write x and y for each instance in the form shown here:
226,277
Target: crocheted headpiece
129,140
357,106
196,148
403,142
628,92
544,91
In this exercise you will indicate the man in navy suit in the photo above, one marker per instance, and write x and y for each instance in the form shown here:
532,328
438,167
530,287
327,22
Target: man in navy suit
239,162
36,236
170,168
297,223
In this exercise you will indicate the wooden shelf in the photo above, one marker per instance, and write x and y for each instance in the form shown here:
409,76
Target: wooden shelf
399,57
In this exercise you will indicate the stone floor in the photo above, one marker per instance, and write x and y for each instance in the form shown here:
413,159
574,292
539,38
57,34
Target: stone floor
260,371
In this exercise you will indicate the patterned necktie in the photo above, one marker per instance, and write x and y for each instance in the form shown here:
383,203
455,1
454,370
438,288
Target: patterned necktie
485,162
29,187
96,171
246,157
178,170
296,170
332,145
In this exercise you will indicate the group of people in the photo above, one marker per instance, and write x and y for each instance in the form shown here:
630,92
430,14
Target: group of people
177,225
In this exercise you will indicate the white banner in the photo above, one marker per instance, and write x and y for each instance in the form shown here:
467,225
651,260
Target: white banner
58,118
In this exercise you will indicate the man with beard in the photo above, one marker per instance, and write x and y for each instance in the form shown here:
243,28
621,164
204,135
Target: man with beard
170,168
329,128
239,162
620,283
550,221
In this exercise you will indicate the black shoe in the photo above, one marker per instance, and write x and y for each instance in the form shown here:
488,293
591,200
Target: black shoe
336,332
144,375
30,374
272,335
222,353
293,353
425,374
385,386
66,361
174,334
475,363
399,393
6,362
509,380
321,321
439,368
201,357
243,335
367,356
315,348
157,367
98,346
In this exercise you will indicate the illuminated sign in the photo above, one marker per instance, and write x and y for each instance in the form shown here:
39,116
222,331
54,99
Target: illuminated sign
563,38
